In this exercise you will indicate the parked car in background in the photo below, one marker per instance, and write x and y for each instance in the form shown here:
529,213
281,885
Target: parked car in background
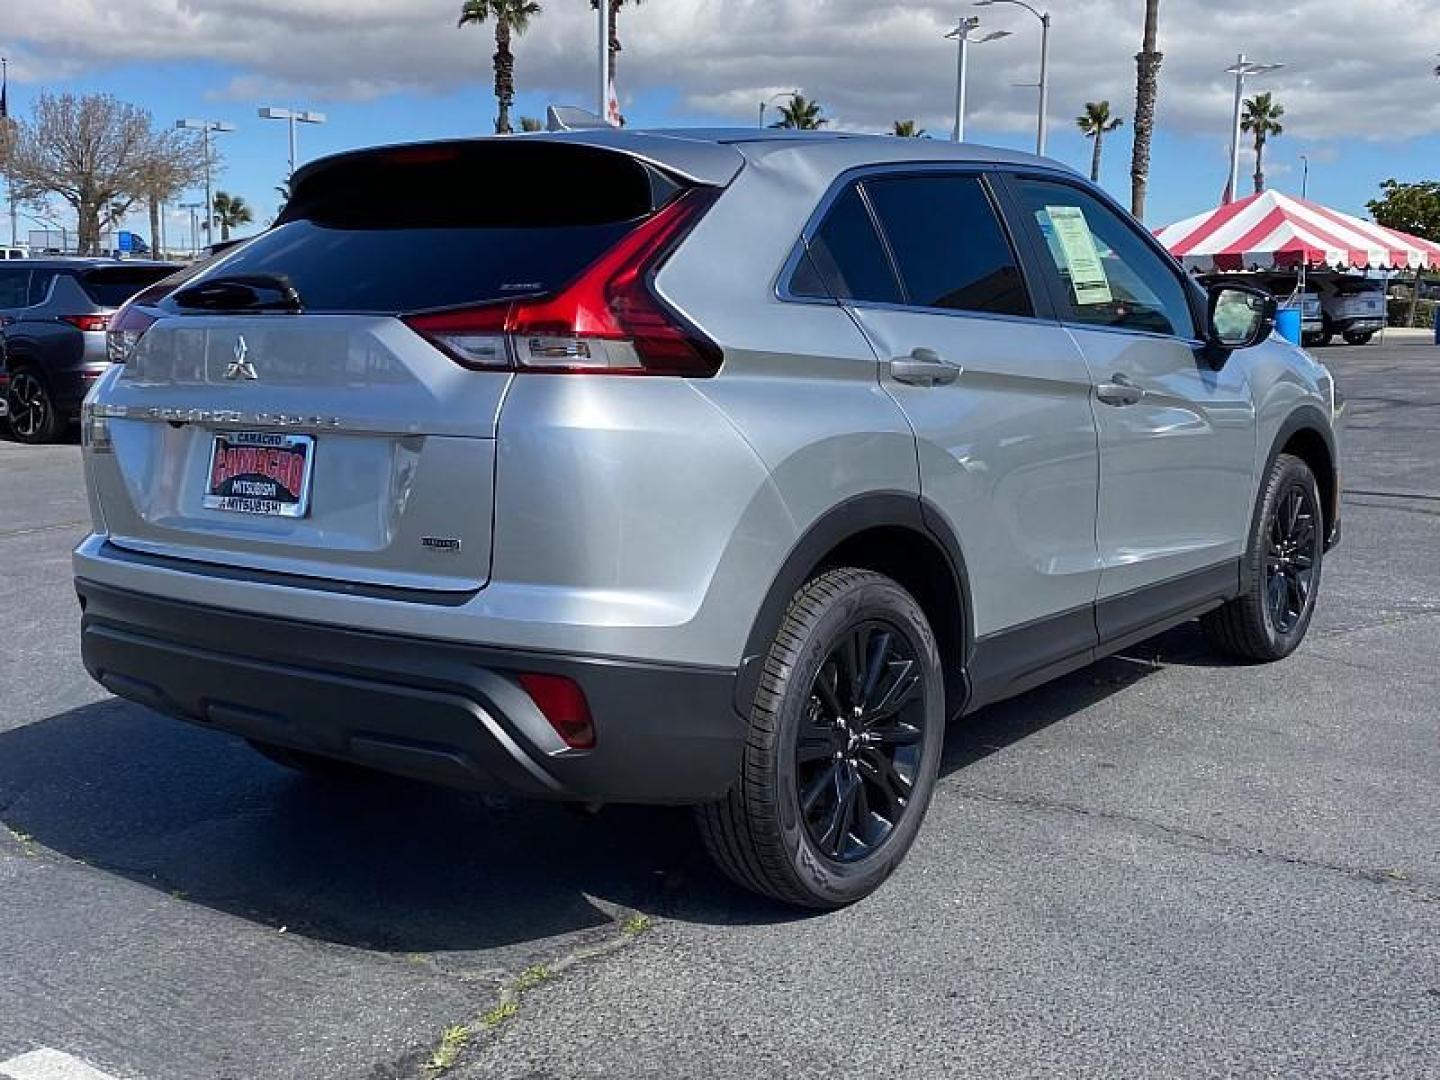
719,468
1354,307
7,253
54,314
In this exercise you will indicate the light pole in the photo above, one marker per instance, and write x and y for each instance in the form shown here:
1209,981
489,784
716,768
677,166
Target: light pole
1305,176
6,135
1042,122
192,207
1241,70
208,128
961,34
293,117
775,97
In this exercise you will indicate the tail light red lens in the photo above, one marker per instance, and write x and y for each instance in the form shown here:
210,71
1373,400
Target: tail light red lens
608,321
563,704
87,322
127,327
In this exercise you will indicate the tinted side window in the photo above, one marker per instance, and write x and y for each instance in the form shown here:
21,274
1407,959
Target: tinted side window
111,286
848,257
14,286
949,244
40,286
1104,271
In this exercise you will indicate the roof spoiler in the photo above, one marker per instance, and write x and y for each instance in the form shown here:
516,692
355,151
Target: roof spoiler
572,118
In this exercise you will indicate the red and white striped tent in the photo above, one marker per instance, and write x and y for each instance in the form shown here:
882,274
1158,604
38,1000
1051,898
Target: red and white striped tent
1273,230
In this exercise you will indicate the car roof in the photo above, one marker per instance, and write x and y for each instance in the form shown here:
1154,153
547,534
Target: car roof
81,262
715,155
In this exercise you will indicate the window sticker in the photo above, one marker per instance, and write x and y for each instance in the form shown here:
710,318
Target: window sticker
1077,244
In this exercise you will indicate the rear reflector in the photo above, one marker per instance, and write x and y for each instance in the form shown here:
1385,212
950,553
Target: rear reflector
563,704
608,321
87,322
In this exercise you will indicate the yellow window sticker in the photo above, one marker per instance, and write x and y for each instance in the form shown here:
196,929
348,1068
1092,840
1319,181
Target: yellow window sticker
1077,244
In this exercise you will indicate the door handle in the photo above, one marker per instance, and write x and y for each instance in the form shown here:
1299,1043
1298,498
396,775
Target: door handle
923,367
1119,391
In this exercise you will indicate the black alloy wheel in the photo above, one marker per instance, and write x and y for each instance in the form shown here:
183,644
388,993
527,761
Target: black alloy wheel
843,749
1280,572
859,750
1291,555
31,413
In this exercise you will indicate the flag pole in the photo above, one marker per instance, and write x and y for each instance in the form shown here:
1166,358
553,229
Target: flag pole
604,83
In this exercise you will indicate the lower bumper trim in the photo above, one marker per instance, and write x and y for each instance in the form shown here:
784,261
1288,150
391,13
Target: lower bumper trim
439,711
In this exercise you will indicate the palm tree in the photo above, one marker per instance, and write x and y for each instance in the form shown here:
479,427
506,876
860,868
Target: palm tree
908,129
230,213
531,123
615,47
1147,90
511,18
1262,119
801,114
1096,123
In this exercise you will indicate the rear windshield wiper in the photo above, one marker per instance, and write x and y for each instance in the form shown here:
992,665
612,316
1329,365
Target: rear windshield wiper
241,292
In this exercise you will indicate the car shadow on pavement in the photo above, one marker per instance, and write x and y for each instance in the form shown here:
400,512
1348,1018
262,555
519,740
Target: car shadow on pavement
396,866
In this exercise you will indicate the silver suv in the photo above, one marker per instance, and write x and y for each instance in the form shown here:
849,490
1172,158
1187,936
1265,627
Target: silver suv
719,468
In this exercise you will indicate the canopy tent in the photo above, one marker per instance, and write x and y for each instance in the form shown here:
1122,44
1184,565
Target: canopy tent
1273,230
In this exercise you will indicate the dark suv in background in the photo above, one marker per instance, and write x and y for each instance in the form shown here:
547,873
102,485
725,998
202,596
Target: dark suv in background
53,317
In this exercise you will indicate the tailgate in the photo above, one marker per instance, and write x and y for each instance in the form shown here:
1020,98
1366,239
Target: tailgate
343,447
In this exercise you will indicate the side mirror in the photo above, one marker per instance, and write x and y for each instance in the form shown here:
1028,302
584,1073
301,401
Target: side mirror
1240,316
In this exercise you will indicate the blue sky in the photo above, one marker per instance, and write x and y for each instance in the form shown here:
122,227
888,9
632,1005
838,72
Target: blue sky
1356,133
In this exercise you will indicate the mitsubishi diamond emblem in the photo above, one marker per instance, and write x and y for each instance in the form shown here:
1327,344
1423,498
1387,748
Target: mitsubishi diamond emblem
241,367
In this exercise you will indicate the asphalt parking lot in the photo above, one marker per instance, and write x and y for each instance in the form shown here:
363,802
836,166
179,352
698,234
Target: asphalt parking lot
1163,865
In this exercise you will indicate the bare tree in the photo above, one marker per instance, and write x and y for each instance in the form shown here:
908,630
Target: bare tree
174,161
92,151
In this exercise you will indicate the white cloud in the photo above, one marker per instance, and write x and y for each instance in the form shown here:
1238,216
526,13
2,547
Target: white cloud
1356,68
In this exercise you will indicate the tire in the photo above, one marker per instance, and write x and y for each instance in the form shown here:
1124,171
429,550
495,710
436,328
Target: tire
30,410
880,763
315,765
1284,562
1309,341
1327,338
1358,339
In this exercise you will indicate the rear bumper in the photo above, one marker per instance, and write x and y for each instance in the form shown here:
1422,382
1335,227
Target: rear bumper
433,710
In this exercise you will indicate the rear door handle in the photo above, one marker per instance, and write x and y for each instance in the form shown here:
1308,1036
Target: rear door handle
923,367
1119,391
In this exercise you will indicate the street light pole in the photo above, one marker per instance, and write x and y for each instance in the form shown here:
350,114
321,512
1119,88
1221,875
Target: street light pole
1042,123
1241,69
293,117
192,207
961,34
9,156
207,128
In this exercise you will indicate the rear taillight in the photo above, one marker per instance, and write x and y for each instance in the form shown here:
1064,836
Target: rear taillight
127,327
89,323
609,321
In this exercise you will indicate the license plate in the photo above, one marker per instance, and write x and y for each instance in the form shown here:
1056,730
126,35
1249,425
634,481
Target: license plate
260,472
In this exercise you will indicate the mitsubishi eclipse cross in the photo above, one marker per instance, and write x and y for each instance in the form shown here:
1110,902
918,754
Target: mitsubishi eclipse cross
720,468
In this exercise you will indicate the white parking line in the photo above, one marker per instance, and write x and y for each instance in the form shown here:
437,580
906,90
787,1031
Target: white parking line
49,1065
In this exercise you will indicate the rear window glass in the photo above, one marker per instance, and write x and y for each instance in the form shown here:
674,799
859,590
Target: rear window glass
111,286
390,270
1356,286
441,225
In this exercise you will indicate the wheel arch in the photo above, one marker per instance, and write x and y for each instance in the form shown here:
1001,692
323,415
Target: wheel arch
1307,434
892,533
